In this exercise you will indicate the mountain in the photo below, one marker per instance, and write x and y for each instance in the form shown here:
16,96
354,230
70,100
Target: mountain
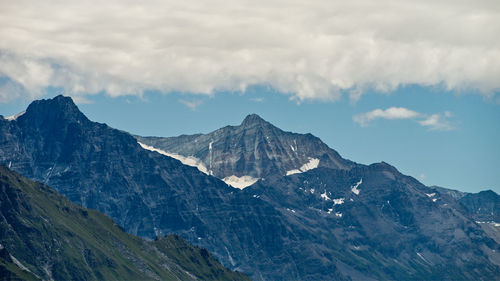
302,213
146,193
48,237
484,205
356,211
240,155
103,168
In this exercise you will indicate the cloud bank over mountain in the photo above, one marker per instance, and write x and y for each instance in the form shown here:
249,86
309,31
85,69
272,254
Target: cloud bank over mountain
312,50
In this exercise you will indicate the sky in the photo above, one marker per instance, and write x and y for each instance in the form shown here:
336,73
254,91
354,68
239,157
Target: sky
412,83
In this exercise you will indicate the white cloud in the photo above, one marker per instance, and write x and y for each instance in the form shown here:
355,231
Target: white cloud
192,104
308,49
435,121
390,113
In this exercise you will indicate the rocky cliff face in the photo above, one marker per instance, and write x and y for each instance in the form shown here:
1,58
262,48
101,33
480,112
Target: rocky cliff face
484,205
255,149
312,215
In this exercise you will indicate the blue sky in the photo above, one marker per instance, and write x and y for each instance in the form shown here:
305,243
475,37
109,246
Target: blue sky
466,157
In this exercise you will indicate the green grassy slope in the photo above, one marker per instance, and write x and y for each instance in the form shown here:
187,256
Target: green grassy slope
56,239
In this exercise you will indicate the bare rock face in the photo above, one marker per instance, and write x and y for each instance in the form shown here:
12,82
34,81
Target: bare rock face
255,148
312,215
484,205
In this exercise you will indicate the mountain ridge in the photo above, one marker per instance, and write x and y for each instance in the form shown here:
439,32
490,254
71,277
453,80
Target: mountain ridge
255,149
303,223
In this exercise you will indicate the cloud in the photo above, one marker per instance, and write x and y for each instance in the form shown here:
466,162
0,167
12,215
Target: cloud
390,113
308,49
193,104
438,122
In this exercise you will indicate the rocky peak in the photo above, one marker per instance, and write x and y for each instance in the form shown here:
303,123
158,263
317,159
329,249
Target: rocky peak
255,149
253,120
57,109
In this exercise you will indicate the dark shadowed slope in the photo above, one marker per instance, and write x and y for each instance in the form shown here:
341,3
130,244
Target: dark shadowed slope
52,238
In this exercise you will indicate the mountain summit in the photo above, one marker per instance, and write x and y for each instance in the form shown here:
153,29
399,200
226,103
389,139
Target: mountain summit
50,111
254,150
254,120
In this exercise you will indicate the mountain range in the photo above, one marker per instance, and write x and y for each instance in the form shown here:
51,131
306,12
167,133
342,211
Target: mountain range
273,204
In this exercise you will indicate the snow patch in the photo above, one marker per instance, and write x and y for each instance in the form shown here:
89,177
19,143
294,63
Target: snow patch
189,160
422,257
324,196
495,224
294,171
355,189
231,260
14,117
430,194
312,190
293,148
434,199
338,215
240,182
338,201
312,164
18,263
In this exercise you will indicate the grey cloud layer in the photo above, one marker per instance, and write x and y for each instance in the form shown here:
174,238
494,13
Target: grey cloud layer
308,49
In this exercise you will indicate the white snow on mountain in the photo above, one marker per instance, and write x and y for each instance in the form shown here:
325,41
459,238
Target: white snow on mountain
14,117
355,189
324,196
240,182
338,201
189,160
312,164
